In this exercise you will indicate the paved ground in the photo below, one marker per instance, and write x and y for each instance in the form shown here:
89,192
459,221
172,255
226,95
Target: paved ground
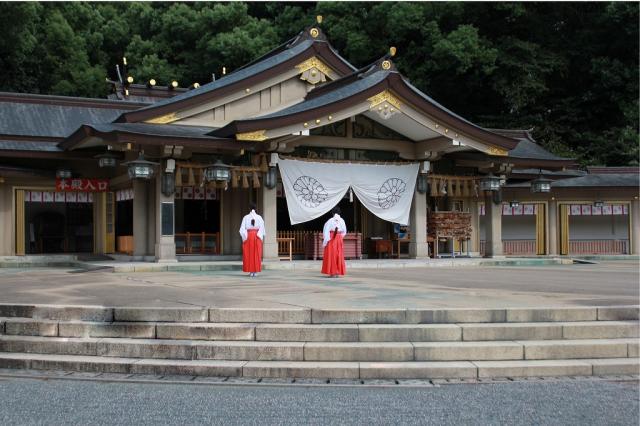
28,401
606,283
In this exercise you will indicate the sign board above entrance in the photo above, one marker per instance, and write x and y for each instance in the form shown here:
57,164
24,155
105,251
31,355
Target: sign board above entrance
82,185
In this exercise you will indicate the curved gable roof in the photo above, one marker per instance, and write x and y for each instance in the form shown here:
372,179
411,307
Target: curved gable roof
353,89
278,60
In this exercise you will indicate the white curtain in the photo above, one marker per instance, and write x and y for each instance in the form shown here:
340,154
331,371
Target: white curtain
312,189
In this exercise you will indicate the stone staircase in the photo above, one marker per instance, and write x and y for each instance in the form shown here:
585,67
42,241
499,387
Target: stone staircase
323,343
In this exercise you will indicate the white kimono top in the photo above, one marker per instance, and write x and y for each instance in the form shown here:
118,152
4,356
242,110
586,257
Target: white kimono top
335,222
246,225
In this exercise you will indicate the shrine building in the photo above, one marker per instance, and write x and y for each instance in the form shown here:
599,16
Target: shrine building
167,173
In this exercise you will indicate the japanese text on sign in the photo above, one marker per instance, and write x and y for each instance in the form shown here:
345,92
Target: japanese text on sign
82,185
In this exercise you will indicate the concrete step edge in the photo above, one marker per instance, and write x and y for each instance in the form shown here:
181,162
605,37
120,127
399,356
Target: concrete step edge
321,351
305,369
322,316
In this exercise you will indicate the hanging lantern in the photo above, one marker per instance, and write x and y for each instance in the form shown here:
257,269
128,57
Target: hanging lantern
598,203
422,184
218,172
271,178
490,183
140,168
514,203
168,184
106,160
540,185
63,173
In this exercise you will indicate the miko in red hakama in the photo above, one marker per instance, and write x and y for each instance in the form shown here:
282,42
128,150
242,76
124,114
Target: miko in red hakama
252,252
333,256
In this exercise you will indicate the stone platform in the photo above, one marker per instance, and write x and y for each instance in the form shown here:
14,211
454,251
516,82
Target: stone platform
607,283
375,323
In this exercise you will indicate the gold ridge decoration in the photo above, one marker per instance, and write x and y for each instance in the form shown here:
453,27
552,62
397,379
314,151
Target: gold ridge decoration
498,151
384,96
164,119
314,32
258,135
316,63
386,65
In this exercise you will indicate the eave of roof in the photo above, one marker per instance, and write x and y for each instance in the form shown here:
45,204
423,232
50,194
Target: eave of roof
607,180
302,49
15,171
33,98
153,134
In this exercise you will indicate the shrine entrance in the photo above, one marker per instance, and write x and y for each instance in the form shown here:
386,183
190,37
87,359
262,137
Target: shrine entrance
51,222
198,218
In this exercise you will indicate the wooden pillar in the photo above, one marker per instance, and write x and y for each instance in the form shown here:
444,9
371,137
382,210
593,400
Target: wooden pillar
20,224
552,221
140,217
634,229
564,229
474,241
541,246
493,227
267,204
418,247
165,245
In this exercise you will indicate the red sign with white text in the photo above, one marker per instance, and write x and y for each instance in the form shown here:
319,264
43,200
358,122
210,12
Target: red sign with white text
82,185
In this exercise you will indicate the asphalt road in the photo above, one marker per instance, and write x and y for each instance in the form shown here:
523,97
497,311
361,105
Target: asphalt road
53,402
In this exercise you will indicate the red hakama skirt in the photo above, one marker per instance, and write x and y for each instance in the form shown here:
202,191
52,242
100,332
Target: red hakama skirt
333,256
252,252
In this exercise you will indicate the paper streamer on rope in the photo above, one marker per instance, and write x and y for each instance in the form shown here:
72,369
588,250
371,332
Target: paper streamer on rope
314,188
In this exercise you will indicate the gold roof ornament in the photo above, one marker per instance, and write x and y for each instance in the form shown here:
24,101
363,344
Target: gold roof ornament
384,96
392,51
386,65
258,135
493,150
163,119
314,32
316,63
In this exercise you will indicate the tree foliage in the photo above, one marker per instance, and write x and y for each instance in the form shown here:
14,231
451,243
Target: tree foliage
569,70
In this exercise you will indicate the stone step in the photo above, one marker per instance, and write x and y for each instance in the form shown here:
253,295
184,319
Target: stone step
575,349
559,367
551,330
206,331
320,316
324,332
323,370
323,351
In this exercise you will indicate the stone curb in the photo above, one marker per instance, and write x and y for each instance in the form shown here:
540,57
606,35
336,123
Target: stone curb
320,316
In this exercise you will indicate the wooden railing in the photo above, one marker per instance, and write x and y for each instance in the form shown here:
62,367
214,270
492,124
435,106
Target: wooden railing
514,247
519,246
197,243
297,245
598,246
